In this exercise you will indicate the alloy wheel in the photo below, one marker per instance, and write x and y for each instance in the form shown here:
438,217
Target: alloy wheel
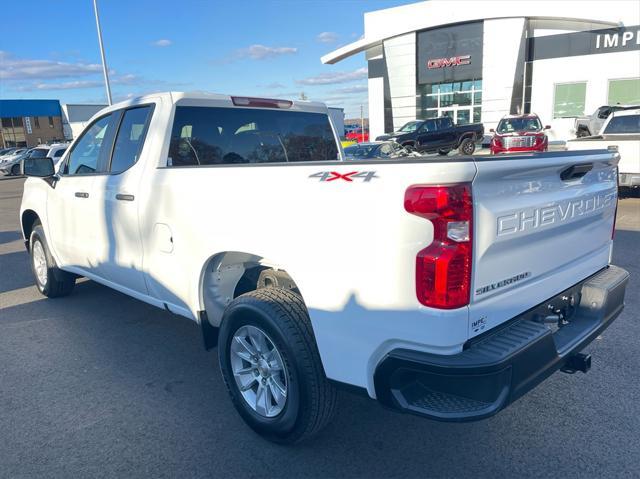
259,371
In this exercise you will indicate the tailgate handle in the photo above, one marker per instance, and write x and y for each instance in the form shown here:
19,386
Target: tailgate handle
576,171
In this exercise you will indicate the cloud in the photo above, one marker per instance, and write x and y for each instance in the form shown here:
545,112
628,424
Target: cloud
352,89
273,86
334,77
163,42
80,84
327,37
12,68
69,85
262,52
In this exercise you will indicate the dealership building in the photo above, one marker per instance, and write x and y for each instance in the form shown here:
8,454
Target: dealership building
477,61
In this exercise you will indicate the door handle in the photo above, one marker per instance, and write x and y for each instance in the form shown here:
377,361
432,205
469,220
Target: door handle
122,197
576,171
82,194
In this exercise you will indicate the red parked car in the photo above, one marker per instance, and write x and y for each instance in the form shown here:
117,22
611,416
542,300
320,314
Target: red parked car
516,133
357,135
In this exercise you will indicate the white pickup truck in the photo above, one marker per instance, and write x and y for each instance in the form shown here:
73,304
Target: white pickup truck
444,287
621,132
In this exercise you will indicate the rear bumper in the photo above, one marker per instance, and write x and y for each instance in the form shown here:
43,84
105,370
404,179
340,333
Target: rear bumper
629,179
502,365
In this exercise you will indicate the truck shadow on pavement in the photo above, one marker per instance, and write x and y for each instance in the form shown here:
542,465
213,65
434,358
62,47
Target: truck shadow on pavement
101,383
9,236
15,271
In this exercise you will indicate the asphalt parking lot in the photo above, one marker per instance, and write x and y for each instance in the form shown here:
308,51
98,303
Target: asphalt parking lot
98,384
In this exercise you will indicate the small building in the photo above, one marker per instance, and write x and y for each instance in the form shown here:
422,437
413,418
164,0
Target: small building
76,116
30,123
477,61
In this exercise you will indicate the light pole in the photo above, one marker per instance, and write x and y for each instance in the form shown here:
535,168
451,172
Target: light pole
361,124
104,60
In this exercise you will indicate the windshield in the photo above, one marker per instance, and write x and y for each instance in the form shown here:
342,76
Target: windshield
38,153
360,151
510,125
623,124
409,127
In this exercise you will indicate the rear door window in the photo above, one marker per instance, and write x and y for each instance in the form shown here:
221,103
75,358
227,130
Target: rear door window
214,136
130,138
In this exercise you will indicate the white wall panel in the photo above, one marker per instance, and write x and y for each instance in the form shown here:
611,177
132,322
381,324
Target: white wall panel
500,58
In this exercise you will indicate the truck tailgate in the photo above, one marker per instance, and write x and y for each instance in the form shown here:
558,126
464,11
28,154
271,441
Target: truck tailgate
542,223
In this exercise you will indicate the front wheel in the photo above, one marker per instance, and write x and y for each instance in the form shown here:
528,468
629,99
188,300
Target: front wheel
271,366
50,280
15,170
467,146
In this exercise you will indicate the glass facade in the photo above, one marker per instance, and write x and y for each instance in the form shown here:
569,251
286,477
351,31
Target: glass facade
569,99
624,92
460,100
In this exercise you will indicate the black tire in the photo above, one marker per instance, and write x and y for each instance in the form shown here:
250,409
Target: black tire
311,399
410,147
467,147
57,282
582,133
443,152
15,170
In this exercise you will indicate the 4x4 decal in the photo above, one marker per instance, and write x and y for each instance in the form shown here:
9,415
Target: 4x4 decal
365,176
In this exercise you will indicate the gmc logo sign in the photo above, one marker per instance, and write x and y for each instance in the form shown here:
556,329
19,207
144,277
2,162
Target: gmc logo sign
449,62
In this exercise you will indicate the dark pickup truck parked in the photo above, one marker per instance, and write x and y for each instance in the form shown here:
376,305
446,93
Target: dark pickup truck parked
437,134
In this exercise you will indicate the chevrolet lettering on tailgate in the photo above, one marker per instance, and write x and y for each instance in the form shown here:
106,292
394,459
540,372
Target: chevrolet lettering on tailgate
533,218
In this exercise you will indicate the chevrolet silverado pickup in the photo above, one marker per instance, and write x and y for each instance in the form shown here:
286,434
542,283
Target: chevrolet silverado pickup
621,132
437,135
444,287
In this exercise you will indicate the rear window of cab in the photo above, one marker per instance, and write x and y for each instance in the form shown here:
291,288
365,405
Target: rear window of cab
218,135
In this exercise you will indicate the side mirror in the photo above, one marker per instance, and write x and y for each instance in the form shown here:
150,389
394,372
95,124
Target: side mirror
547,127
491,130
38,167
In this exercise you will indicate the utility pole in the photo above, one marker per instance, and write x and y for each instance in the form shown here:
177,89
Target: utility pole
104,60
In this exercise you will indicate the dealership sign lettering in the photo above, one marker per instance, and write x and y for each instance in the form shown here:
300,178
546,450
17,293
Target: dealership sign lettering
612,40
449,62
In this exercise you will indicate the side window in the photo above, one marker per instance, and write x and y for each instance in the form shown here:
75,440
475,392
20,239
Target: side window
86,153
428,126
444,122
59,153
130,138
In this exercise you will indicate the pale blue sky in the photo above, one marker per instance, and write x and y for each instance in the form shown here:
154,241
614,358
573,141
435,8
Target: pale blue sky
49,49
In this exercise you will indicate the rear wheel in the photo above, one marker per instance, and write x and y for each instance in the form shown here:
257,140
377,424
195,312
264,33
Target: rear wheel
443,152
50,280
15,170
271,366
467,146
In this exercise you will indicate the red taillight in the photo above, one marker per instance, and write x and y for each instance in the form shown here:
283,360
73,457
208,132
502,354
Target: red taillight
260,102
443,269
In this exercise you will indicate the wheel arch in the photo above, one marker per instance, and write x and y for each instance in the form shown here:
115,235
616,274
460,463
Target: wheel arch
464,136
27,219
228,274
